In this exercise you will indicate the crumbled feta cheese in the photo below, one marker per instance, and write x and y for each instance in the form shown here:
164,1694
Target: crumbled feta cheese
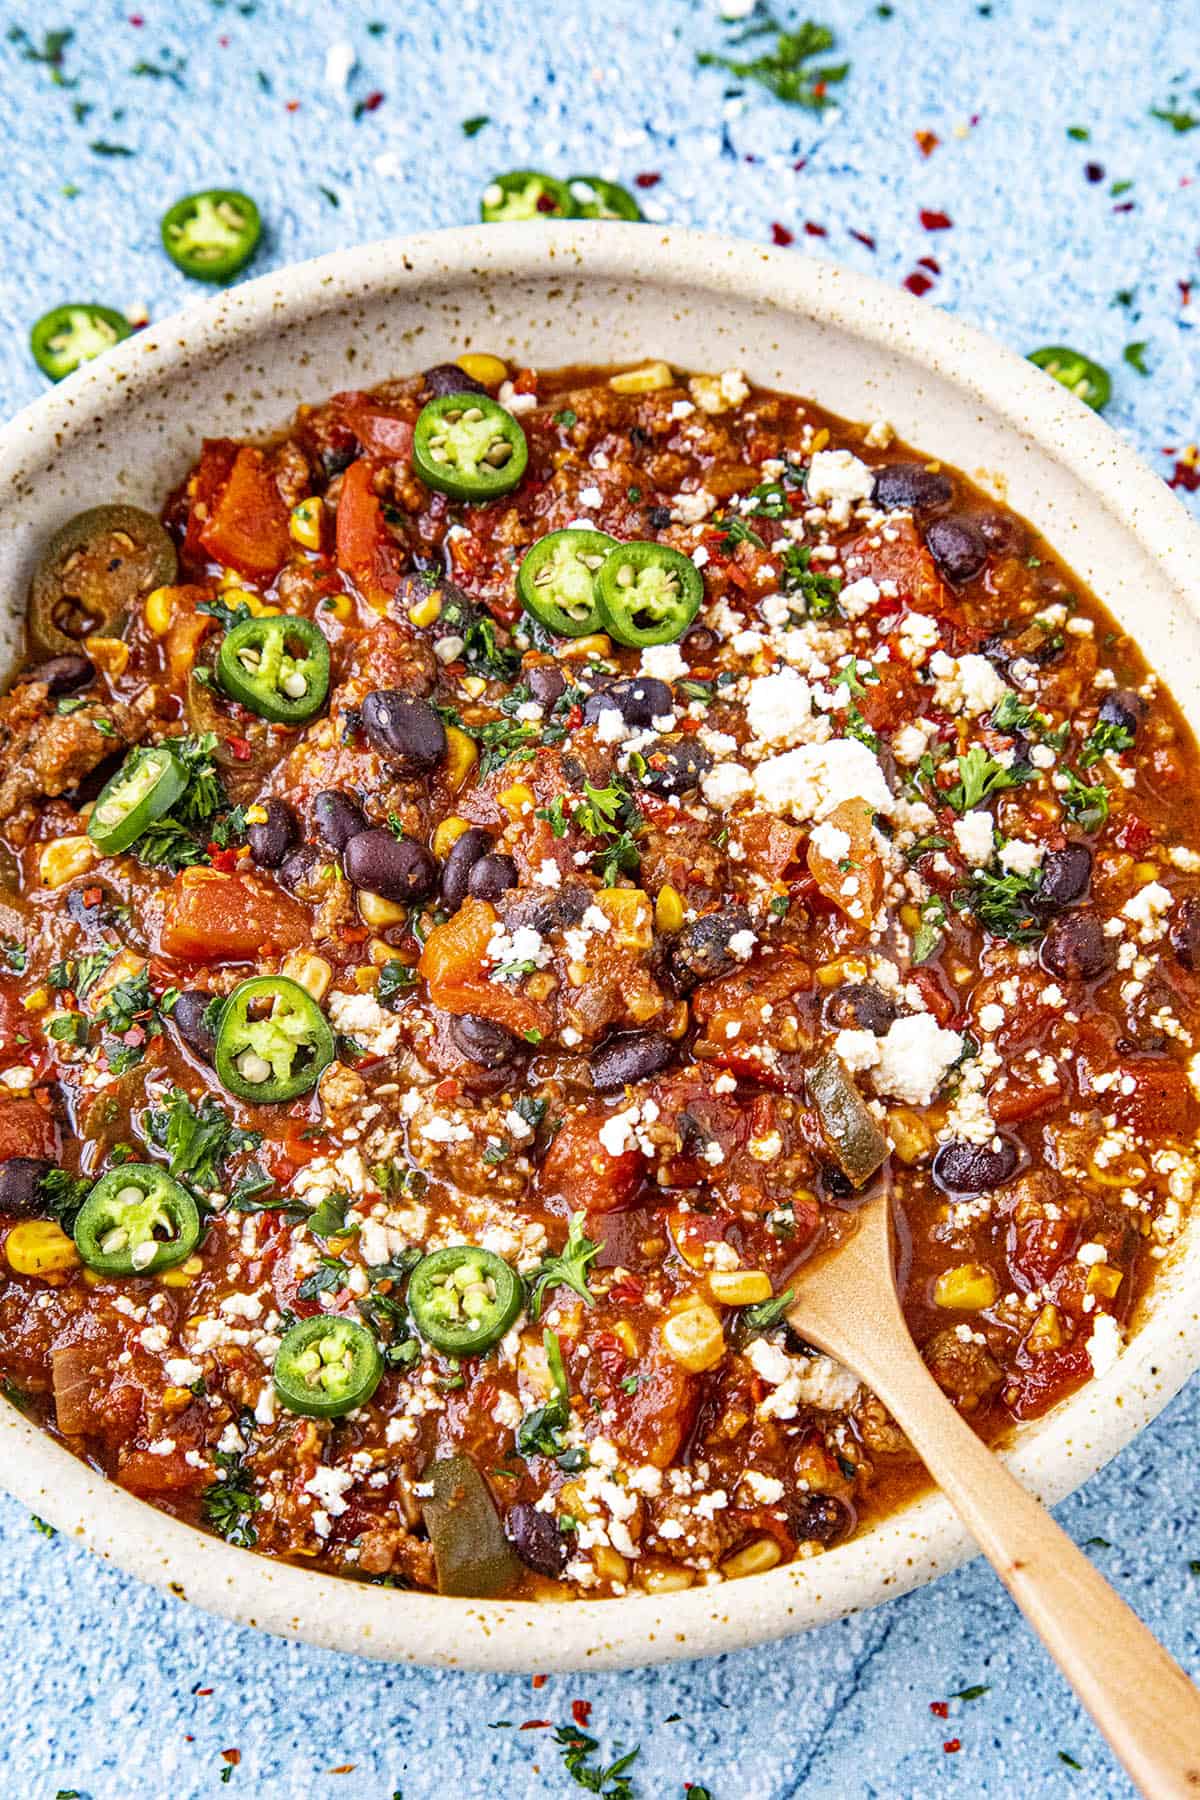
329,1486
725,784
914,1058
361,1017
663,662
1104,1345
810,782
973,834
1020,857
858,597
836,480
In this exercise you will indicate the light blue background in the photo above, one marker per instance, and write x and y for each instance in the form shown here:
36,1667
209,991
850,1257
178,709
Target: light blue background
99,1674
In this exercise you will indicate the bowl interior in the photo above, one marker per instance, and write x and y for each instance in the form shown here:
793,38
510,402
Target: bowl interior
128,429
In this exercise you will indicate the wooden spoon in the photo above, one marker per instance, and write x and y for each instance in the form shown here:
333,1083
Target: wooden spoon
1137,1694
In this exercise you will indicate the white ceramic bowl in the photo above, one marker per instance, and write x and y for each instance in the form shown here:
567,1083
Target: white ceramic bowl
127,428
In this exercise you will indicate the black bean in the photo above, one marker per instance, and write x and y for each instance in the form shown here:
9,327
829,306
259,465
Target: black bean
299,867
63,674
835,1183
395,868
407,731
464,853
1003,534
1065,875
273,838
1185,932
544,912
338,817
336,458
492,876
546,684
958,547
910,487
1076,949
676,765
859,1006
701,951
448,378
20,1182
658,517
191,1024
640,699
963,1168
484,1041
817,1518
1123,707
634,1056
536,1538
700,642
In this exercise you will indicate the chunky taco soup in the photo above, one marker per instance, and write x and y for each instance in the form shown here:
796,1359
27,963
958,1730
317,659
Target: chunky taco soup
490,882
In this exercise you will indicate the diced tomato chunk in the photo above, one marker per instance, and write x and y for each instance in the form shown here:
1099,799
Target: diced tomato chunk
209,916
247,526
366,552
578,1166
453,963
212,472
26,1129
379,432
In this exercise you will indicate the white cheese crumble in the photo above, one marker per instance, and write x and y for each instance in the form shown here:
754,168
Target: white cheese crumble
836,479
914,1058
810,782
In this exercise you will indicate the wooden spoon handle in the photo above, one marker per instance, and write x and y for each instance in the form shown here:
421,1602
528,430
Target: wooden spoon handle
1139,1697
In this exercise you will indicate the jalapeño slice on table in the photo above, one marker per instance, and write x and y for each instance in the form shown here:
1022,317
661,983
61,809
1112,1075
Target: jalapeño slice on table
468,447
1089,381
273,1040
147,785
326,1366
278,667
595,198
213,234
136,1221
648,593
94,571
525,194
463,1299
557,581
75,333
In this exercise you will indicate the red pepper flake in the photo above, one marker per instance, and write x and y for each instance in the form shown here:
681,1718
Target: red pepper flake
863,237
927,141
133,1037
344,1769
232,1756
292,106
1094,171
781,235
93,896
240,747
647,179
581,1712
802,164
224,860
813,230
136,19
538,1681
951,1745
935,221
224,42
1185,292
939,1709
1186,476
202,1692
534,1724
918,284
575,718
931,263
372,103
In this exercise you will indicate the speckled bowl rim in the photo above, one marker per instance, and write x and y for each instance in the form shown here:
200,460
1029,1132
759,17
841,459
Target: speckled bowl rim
910,1547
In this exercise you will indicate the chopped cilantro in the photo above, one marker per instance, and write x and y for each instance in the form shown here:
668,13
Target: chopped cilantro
570,1269
766,1315
395,978
973,1693
229,1504
979,777
196,1138
817,593
577,1748
1135,356
786,68
1087,806
1106,738
1003,905
927,938
473,126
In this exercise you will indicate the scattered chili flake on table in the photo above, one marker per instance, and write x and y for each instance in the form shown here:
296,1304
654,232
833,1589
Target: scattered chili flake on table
781,235
927,142
647,179
581,1711
862,237
939,1709
538,1681
951,1745
935,221
918,283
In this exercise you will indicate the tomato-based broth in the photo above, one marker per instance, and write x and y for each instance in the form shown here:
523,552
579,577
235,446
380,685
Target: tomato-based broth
489,884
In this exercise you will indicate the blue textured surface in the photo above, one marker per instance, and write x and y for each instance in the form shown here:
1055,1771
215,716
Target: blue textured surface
99,1694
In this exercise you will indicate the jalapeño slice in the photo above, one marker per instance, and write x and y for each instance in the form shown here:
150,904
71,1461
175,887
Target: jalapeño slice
557,581
93,572
468,447
463,1299
75,333
596,198
213,234
648,593
326,1366
147,785
525,194
278,667
273,1040
1089,381
136,1221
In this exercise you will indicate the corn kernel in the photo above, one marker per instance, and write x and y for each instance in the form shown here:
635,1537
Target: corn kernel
184,1275
257,608
1145,871
65,859
256,814
516,800
609,1564
461,757
597,643
628,1336
40,1247
910,917
108,653
425,612
37,1001
668,909
821,439
694,1338
666,1581
541,985
912,1138
379,913
366,976
447,835
739,1287
175,1399
629,910
1104,1280
843,968
312,973
473,686
160,608
305,521
753,1559
340,606
646,380
1046,1333
482,367
380,952
967,1288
